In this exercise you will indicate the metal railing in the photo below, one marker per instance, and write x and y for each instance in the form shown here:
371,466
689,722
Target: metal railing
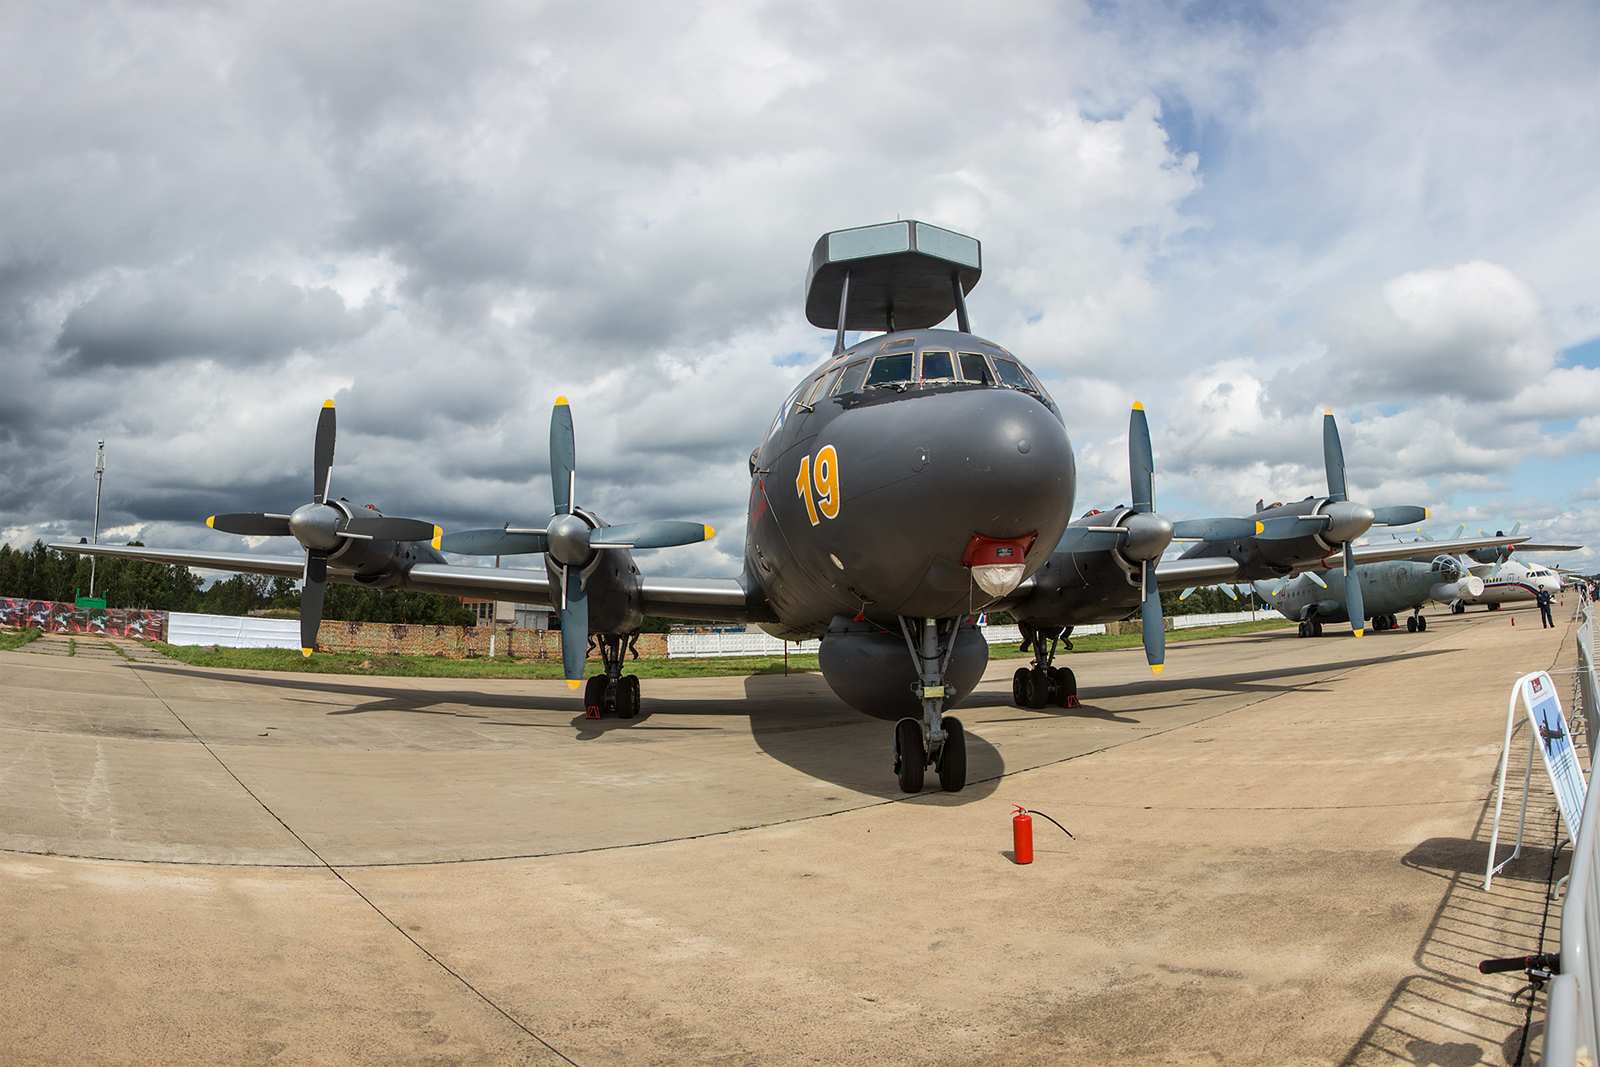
1572,1035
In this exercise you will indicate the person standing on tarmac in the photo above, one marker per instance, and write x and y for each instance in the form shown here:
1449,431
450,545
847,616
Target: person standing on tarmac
1544,598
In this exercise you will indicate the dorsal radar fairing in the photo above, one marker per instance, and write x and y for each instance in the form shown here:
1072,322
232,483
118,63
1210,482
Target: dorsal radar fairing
904,275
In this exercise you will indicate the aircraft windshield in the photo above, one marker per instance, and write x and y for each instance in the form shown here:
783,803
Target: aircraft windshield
1010,373
890,370
850,380
938,367
974,368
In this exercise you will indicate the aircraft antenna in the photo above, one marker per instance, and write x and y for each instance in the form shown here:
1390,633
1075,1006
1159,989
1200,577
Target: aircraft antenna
844,306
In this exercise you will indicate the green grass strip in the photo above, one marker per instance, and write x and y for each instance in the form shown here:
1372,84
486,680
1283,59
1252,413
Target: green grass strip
17,638
287,659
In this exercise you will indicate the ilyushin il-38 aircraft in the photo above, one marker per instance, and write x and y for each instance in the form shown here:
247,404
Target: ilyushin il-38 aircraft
913,480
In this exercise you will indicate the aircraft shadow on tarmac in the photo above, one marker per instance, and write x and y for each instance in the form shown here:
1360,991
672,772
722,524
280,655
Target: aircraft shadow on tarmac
797,720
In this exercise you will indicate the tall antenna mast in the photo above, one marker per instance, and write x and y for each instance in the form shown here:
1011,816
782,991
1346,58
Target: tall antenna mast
99,475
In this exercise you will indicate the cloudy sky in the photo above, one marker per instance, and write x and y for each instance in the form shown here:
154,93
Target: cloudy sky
215,216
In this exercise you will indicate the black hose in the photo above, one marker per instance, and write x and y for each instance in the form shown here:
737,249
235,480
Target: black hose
1042,815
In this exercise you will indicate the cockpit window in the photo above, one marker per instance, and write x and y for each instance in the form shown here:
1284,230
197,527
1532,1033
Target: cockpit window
974,368
890,370
850,380
820,388
1010,373
938,367
902,345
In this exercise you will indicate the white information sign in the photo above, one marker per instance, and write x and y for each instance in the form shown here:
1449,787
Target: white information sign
1536,693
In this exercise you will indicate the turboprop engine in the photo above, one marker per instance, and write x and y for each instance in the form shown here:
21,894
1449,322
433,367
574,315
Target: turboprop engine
1462,588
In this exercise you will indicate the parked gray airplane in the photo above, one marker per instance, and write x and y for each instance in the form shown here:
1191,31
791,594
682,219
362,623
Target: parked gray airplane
1385,590
913,480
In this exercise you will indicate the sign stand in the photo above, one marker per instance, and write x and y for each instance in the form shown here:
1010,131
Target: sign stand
1548,734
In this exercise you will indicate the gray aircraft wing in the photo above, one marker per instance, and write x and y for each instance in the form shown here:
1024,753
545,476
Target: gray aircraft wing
249,563
681,597
1189,573
1530,547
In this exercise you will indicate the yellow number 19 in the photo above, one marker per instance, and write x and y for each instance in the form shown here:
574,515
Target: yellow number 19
827,484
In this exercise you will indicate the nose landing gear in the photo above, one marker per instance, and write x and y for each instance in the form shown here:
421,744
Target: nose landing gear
936,740
613,691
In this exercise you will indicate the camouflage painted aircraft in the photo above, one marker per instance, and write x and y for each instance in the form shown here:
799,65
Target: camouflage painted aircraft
1386,589
913,480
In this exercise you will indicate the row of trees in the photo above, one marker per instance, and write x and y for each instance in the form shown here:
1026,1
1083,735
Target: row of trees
44,574
41,573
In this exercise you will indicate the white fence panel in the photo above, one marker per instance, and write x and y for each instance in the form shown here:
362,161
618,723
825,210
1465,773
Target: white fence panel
232,631
1221,618
696,646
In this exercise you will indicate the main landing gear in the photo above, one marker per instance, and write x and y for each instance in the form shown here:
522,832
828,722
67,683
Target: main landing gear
1044,686
612,691
1311,628
936,740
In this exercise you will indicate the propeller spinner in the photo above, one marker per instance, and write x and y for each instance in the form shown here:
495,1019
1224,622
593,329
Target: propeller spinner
323,527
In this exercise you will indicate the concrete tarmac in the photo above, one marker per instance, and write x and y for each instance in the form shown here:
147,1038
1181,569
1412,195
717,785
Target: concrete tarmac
1278,860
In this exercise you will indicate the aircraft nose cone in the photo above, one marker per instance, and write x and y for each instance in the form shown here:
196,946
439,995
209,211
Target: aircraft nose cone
920,476
315,526
1006,461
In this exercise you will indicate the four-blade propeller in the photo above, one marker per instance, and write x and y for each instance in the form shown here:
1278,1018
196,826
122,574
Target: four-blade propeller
570,541
322,527
1149,534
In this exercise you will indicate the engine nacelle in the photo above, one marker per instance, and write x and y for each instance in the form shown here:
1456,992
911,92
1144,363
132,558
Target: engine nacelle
870,668
1464,588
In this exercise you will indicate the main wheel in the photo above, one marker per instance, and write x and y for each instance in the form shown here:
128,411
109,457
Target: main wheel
593,694
1316,628
1066,686
1411,624
1422,623
1037,689
911,759
953,757
628,696
1305,630
1019,690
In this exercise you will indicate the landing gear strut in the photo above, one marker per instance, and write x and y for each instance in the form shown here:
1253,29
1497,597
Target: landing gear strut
1042,685
936,740
612,691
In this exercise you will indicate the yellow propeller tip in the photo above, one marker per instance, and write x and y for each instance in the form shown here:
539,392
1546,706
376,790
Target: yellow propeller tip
328,403
573,683
212,522
710,533
438,536
306,652
1261,527
1138,406
1327,411
1427,513
1155,668
1360,632
561,401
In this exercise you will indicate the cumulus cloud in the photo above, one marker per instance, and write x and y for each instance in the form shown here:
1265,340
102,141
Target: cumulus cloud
213,218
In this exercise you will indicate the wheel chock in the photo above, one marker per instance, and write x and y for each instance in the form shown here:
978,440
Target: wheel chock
1072,702
592,711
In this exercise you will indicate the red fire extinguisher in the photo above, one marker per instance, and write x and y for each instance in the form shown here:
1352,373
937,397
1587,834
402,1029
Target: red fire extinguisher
1022,832
1022,836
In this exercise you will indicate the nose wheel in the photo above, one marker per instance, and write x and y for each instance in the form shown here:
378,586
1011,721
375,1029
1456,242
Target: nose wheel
935,740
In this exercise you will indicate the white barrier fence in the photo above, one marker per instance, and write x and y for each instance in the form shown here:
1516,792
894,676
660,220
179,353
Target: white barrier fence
685,646
232,631
756,643
1572,1031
